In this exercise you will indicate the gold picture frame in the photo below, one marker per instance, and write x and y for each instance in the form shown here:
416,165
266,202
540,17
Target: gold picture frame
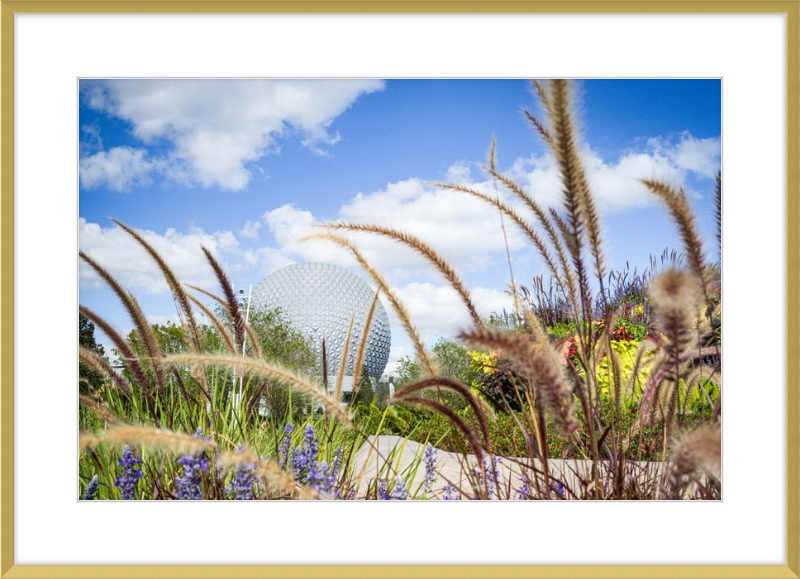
8,10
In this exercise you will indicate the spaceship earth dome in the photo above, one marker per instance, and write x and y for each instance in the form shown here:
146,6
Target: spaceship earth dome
319,299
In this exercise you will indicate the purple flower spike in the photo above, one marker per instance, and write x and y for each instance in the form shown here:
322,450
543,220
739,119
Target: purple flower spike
131,473
451,493
430,467
399,492
91,489
382,490
285,447
189,486
243,480
306,457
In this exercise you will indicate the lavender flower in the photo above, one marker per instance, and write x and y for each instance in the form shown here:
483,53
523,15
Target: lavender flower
491,471
559,490
131,473
382,490
451,493
337,463
91,489
430,467
243,480
306,457
321,480
189,487
524,492
399,492
284,448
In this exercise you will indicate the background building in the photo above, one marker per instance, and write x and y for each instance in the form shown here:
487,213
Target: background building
319,300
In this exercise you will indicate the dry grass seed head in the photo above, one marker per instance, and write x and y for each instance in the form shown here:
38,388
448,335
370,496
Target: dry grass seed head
268,470
678,206
99,408
459,388
393,298
516,218
696,451
541,364
137,316
362,346
675,290
423,249
129,358
227,339
100,365
344,359
172,281
233,308
262,369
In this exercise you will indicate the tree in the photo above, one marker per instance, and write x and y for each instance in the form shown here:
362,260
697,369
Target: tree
87,340
365,393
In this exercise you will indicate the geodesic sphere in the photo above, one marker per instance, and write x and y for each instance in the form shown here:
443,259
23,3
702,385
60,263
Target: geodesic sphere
318,299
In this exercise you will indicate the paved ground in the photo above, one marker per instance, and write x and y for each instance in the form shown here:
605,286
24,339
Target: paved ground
405,457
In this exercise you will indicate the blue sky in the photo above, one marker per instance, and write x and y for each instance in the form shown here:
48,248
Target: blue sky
248,167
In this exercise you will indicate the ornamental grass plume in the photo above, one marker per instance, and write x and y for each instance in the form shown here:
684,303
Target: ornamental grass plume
131,473
426,251
693,453
268,371
675,294
542,365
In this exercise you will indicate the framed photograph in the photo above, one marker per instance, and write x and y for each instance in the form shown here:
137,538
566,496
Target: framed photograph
405,279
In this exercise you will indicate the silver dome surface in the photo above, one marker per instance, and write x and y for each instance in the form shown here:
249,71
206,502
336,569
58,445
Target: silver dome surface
318,299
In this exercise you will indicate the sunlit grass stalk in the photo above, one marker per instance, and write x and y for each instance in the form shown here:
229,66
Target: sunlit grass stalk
358,365
343,360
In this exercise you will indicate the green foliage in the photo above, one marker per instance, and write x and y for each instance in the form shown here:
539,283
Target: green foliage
87,340
562,330
455,361
280,342
626,351
365,394
408,370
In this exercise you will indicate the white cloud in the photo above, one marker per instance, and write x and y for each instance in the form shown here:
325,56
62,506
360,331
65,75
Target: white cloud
701,156
217,127
437,311
128,261
264,260
250,229
396,353
163,320
616,186
459,173
119,168
463,229
289,225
